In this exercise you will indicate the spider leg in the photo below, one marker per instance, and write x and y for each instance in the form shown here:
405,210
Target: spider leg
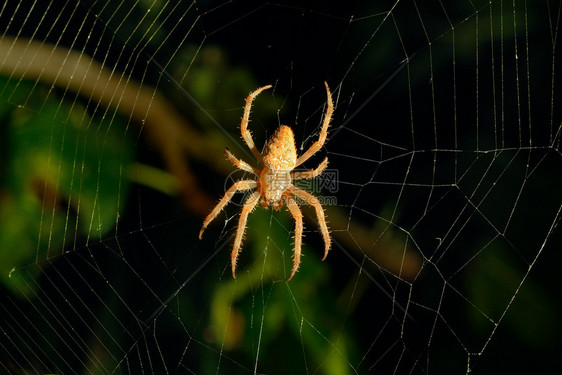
240,164
297,215
249,206
311,173
246,134
313,201
237,186
316,146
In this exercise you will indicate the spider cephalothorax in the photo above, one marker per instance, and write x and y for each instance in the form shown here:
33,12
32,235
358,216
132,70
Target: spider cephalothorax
274,183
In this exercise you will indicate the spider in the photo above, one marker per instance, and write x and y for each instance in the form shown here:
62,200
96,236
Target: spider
273,184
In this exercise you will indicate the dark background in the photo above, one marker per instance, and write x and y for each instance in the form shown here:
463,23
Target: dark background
445,133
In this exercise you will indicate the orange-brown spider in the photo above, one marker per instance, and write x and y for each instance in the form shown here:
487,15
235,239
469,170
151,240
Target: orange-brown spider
274,187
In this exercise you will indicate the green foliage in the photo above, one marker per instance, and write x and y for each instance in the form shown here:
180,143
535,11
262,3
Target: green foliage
63,181
221,89
260,307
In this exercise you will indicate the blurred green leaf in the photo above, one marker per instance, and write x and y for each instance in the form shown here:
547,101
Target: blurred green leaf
63,181
287,309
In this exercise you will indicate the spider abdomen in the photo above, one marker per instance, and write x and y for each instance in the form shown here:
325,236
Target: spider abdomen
280,153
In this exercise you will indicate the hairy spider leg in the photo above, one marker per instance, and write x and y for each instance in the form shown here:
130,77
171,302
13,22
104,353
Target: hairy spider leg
249,206
313,201
246,134
311,173
297,215
237,186
316,146
239,163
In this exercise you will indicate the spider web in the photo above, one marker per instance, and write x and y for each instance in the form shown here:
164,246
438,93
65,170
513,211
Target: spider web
442,193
